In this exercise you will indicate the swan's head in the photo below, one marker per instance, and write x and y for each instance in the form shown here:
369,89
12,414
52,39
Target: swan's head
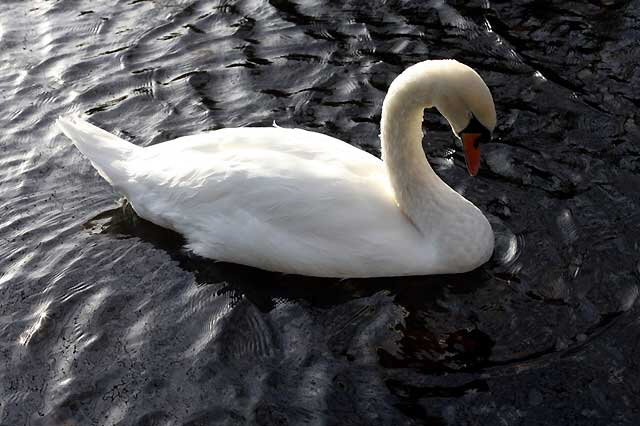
466,102
463,98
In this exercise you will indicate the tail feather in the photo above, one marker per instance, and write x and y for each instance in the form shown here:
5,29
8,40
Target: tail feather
107,152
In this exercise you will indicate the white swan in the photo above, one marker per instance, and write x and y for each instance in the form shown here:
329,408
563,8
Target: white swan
300,202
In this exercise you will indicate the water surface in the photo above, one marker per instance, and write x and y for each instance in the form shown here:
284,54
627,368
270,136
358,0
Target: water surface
106,319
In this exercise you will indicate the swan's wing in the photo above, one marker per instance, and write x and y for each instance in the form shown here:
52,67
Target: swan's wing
257,195
273,174
295,142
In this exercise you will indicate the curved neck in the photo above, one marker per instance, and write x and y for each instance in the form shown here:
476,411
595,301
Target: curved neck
456,233
416,186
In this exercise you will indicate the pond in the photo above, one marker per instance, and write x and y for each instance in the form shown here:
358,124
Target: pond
106,319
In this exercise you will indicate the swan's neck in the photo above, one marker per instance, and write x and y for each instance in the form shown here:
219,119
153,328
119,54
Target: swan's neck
456,233
459,235
419,192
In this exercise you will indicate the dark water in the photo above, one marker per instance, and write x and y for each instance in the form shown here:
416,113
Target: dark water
104,319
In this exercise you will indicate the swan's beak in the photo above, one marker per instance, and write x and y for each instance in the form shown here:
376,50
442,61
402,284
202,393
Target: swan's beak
471,144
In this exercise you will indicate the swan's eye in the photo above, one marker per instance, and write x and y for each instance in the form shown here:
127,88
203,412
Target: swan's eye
480,133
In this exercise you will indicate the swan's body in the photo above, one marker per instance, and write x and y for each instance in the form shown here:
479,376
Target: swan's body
300,202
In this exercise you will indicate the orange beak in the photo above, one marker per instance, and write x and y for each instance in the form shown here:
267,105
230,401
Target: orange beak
471,144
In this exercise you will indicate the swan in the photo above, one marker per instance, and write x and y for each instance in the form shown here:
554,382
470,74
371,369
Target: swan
301,202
